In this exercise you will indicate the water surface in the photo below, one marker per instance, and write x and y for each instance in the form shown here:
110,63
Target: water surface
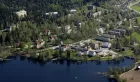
23,70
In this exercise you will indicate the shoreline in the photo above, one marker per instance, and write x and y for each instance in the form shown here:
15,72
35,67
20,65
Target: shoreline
71,59
131,70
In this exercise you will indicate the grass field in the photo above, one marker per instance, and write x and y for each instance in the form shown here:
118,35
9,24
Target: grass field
138,18
128,52
136,35
135,7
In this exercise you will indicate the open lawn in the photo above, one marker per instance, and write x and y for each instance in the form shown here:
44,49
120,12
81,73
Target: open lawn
136,35
138,18
135,7
128,52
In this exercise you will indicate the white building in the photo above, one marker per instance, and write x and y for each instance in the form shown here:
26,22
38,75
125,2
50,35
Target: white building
40,43
72,11
68,29
91,53
51,13
21,13
97,14
101,30
91,7
106,45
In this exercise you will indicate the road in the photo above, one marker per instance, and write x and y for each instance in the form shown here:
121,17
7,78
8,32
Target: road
82,41
54,47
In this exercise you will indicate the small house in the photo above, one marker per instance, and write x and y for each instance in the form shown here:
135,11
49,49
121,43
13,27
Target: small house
122,31
21,13
72,11
68,29
106,45
69,15
91,53
96,14
52,38
76,23
91,7
95,45
101,30
47,32
113,32
40,43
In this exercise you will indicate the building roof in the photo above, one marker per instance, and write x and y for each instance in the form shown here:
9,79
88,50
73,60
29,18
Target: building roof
100,38
108,36
52,13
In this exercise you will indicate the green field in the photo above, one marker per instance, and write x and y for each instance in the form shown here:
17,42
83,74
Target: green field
136,35
137,8
138,18
128,52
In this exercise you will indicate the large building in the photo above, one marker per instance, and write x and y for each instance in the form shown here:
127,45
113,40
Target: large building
117,32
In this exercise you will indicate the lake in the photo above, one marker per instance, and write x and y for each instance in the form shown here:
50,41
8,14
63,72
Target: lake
24,70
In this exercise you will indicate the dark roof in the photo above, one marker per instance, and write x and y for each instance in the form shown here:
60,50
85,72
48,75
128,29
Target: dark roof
100,38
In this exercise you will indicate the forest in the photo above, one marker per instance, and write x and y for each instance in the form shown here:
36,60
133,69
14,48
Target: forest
29,27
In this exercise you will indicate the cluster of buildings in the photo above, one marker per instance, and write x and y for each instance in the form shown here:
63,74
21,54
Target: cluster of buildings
90,48
72,11
93,11
111,34
101,46
95,48
68,28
